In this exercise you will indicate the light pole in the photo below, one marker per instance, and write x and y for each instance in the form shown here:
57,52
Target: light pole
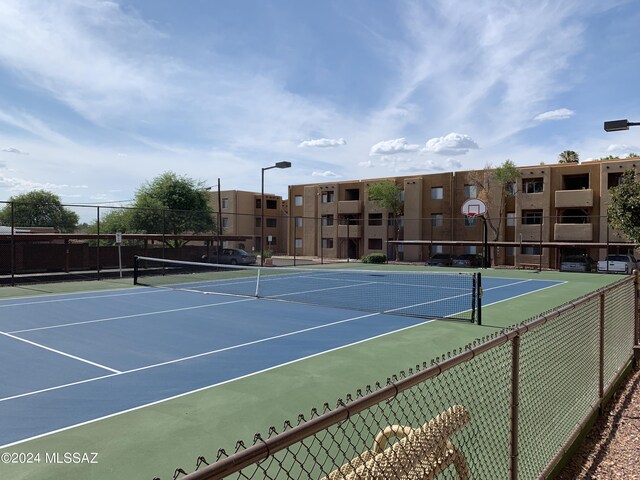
617,125
277,165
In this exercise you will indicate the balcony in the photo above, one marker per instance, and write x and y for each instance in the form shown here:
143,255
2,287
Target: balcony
349,206
574,232
530,233
355,231
574,198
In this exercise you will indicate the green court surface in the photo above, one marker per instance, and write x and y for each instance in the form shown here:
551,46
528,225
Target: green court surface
155,440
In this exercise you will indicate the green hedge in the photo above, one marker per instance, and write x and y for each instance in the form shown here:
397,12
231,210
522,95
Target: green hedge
374,258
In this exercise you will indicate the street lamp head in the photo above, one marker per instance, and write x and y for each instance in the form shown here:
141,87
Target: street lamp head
283,164
616,125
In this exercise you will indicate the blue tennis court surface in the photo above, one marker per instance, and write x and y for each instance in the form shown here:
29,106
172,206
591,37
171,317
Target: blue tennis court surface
71,359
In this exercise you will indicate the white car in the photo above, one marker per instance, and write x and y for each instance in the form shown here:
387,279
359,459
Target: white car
618,264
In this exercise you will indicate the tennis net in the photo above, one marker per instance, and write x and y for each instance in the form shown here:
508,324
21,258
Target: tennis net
414,293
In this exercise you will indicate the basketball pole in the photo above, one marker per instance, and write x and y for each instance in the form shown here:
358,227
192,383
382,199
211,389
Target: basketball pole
485,243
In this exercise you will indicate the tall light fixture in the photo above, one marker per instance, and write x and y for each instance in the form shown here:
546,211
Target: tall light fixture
617,125
277,165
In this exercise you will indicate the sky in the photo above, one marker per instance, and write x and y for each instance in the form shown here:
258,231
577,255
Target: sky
99,97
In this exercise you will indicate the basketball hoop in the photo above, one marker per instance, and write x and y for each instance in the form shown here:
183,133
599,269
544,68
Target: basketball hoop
474,207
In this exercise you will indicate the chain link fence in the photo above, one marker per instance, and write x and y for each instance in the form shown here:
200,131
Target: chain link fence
42,244
505,406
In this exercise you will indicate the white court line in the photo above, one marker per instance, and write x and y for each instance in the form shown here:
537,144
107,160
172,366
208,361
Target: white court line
74,299
157,402
557,284
59,352
190,357
134,315
248,375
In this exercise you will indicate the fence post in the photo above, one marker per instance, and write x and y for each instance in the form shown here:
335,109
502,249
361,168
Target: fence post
636,326
515,404
98,243
601,355
13,244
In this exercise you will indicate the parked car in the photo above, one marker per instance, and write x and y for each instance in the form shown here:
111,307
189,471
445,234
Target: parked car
618,264
468,260
232,256
577,263
440,260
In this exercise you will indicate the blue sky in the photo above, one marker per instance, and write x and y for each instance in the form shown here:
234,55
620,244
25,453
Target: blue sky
98,97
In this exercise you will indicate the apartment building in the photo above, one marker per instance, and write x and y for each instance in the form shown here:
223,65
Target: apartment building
562,207
241,215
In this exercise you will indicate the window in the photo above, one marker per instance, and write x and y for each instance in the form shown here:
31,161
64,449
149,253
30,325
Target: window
272,204
390,221
258,203
298,222
327,197
530,250
375,244
225,203
437,193
437,249
470,191
575,182
614,179
532,217
327,220
533,185
272,222
258,221
402,196
437,219
470,221
352,194
298,243
375,219
510,251
511,219
511,188
327,243
225,222
470,249
298,200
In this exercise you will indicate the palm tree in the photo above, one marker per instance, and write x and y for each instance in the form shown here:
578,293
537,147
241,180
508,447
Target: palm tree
569,156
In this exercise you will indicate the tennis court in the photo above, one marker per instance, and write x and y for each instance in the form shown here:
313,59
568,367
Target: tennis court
70,360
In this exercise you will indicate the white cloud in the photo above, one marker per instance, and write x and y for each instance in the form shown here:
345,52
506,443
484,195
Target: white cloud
560,114
22,185
453,164
620,149
392,147
327,173
33,125
451,144
366,164
14,150
323,143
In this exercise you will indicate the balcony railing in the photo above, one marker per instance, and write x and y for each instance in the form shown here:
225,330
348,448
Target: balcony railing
349,206
354,231
574,198
576,232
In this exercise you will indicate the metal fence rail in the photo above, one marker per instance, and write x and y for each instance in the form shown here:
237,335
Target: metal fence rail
506,406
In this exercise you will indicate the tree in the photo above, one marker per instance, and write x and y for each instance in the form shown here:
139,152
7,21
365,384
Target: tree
624,211
568,156
386,194
173,204
39,208
495,186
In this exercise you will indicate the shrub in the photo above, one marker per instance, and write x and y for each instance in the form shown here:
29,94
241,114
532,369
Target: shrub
374,258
